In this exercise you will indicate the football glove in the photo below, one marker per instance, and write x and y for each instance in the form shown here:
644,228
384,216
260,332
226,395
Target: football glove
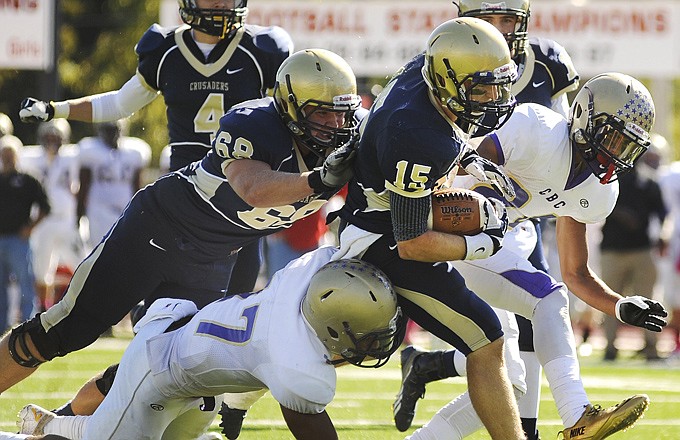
335,171
641,312
489,241
33,110
486,171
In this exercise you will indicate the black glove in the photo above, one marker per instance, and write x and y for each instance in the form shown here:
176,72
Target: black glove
486,171
33,110
641,312
335,171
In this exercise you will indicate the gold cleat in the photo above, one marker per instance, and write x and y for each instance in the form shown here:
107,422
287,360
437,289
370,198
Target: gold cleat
597,423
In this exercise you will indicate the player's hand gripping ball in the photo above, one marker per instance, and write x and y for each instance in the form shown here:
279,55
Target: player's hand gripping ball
458,211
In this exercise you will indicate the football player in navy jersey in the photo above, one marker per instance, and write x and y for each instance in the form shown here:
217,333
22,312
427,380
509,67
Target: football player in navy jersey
414,135
202,69
546,75
274,160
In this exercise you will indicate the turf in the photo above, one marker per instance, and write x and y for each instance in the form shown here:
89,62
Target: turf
361,409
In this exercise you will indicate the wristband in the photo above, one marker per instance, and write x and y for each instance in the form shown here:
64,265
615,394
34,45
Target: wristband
478,246
314,181
62,109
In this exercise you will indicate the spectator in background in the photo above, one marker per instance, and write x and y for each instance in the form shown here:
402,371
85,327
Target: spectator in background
55,165
7,132
629,248
111,165
670,190
19,193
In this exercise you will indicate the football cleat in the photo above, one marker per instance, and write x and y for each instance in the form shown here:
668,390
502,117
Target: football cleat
597,423
33,418
412,389
232,421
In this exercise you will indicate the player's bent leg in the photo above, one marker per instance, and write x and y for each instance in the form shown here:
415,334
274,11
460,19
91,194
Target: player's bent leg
491,393
91,394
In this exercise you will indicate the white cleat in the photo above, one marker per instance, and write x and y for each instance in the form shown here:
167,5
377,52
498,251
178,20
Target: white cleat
33,418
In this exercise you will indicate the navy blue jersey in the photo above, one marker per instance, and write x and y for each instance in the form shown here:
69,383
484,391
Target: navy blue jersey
406,146
202,205
545,73
198,91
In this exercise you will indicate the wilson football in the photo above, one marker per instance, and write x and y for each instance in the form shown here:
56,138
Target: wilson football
458,211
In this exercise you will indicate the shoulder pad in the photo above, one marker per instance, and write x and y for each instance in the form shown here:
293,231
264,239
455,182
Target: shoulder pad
153,38
550,52
270,39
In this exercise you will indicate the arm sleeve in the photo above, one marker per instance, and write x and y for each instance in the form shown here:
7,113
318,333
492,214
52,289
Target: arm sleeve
122,103
409,216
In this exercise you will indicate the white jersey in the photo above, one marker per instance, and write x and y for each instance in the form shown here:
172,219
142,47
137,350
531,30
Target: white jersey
113,169
536,153
58,175
113,174
248,343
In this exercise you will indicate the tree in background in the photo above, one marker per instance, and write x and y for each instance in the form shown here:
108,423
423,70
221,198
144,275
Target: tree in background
94,55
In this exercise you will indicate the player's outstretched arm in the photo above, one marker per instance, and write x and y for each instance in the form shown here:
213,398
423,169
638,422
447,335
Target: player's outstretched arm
580,279
309,426
103,107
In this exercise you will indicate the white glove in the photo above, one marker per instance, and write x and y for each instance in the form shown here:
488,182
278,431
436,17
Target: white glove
489,241
486,171
33,110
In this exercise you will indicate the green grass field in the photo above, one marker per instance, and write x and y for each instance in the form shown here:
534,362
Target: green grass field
361,409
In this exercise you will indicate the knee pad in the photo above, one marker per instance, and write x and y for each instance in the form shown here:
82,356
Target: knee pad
105,382
18,335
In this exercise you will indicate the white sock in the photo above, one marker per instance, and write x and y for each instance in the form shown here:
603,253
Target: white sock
456,420
460,363
71,427
567,388
529,403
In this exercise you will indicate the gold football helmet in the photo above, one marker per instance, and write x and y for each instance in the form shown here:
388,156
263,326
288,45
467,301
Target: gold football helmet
352,308
609,121
317,80
517,40
469,70
220,22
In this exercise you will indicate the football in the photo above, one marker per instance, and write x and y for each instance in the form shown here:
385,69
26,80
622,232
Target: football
458,211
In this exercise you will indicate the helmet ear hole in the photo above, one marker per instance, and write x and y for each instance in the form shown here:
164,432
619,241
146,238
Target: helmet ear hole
335,335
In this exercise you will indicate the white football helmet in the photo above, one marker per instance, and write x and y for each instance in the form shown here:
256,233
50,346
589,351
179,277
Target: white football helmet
352,308
609,121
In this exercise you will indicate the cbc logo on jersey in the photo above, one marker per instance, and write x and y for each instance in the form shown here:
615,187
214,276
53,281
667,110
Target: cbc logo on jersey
157,407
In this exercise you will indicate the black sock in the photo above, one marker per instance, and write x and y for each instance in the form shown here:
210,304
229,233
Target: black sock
529,426
448,364
64,410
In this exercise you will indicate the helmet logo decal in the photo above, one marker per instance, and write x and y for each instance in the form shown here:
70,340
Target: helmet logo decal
491,6
637,110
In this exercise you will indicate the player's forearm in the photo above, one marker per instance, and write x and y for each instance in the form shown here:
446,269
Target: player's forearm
593,291
432,247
